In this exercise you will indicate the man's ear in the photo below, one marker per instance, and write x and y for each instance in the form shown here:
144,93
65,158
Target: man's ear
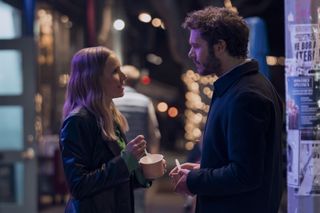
219,47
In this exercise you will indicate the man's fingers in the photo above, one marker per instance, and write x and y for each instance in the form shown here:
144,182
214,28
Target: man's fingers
174,170
183,171
190,166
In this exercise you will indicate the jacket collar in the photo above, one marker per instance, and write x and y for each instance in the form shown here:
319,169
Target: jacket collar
222,84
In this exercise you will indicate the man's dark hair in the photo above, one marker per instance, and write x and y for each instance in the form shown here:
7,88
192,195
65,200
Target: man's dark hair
216,24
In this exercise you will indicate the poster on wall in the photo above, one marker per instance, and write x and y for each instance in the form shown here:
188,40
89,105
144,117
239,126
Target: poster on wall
293,157
302,109
309,163
304,47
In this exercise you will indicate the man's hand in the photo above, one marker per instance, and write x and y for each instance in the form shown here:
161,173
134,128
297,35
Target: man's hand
188,166
178,177
181,185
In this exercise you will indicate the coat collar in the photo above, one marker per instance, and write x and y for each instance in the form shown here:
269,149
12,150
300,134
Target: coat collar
222,84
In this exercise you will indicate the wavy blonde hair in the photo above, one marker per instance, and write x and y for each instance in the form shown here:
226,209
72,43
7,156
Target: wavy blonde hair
85,90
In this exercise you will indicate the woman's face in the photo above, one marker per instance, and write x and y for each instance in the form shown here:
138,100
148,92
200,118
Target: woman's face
113,79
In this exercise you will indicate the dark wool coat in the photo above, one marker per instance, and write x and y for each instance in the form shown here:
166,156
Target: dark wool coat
241,169
98,178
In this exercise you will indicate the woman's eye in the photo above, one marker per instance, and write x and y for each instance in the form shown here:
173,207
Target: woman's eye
116,71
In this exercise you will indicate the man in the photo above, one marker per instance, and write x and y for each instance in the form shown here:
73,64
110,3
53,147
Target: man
240,168
140,114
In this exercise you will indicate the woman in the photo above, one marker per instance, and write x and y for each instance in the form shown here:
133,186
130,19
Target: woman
101,169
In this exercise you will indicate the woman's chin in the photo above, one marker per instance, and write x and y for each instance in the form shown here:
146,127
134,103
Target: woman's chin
121,94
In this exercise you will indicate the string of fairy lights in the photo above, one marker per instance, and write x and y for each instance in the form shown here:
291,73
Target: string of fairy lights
198,95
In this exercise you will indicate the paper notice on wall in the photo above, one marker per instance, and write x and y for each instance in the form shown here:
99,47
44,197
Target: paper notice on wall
303,110
293,158
309,166
305,47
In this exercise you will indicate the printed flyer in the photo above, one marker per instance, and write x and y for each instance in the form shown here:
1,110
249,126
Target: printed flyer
303,110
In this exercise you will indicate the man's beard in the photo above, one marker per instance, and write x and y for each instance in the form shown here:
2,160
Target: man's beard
212,64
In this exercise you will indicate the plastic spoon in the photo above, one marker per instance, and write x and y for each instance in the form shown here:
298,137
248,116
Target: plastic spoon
147,153
178,164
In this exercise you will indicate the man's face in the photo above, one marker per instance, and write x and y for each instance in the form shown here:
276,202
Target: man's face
204,58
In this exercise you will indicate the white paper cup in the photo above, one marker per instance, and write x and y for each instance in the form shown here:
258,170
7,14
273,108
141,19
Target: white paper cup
152,166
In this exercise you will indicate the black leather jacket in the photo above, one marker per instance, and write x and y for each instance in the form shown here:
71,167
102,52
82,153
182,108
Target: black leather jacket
97,177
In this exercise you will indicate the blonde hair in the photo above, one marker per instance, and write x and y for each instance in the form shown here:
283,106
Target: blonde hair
85,90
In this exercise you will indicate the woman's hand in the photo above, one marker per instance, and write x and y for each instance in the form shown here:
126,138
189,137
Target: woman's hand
136,147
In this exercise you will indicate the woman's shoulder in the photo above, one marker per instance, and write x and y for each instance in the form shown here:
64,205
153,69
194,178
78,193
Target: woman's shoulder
80,114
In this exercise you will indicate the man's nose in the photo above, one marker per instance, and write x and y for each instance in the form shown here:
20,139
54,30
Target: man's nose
191,53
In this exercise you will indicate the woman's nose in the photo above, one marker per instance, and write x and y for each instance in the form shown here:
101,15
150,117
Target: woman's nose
123,76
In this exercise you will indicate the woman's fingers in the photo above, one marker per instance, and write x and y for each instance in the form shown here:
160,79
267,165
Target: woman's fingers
138,138
137,146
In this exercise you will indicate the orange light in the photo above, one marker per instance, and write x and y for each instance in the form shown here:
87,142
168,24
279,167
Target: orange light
145,80
173,112
156,22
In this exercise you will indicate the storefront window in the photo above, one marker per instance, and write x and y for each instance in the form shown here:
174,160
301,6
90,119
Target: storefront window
11,128
10,72
10,21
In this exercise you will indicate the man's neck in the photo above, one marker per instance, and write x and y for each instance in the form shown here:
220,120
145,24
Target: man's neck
231,63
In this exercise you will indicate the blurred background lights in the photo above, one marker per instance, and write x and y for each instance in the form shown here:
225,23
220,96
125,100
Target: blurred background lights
63,80
198,96
145,79
207,91
162,26
162,107
189,74
64,19
281,60
144,17
194,86
271,60
156,22
196,133
173,112
41,12
154,59
275,61
118,24
188,127
189,145
198,118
